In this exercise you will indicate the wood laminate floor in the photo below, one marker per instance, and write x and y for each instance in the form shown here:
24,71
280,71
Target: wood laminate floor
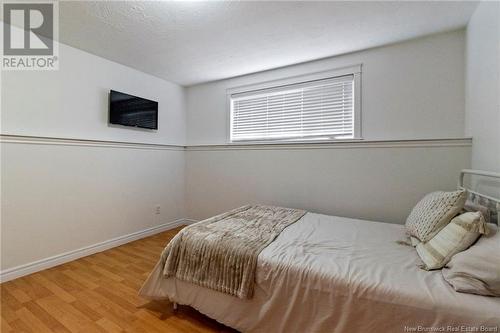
98,293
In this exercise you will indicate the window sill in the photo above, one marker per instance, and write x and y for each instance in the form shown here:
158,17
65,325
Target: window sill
290,142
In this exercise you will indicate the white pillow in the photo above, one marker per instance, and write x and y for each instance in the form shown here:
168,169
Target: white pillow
477,270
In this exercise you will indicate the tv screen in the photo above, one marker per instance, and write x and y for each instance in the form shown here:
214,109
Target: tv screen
132,111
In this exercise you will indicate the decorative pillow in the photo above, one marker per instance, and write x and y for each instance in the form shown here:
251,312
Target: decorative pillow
455,237
433,212
477,270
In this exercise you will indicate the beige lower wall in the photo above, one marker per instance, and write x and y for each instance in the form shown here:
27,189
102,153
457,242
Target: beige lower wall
58,198
381,183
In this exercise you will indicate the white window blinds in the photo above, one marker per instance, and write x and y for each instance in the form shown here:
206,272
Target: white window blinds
316,109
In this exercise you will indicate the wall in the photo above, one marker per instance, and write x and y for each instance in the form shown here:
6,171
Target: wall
59,198
73,101
380,182
410,90
62,195
483,86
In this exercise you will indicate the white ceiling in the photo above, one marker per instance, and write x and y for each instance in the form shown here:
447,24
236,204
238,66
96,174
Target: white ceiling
193,42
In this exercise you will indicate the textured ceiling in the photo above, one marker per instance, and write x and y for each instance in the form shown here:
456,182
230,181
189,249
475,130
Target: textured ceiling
192,42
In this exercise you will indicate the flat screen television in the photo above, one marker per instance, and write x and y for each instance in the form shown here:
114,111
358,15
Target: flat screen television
128,110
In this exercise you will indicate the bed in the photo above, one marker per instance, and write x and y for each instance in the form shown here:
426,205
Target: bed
336,274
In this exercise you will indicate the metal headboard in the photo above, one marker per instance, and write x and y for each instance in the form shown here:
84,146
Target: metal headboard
491,203
478,173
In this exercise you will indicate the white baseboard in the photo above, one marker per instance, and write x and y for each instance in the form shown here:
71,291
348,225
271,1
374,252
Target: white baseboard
22,270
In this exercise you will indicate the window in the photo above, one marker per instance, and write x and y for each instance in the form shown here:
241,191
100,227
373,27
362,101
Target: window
322,108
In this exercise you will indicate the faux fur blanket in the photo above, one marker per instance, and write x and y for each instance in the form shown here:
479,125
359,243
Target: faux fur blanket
221,252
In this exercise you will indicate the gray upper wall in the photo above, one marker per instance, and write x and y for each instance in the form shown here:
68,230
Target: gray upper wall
72,102
483,86
410,90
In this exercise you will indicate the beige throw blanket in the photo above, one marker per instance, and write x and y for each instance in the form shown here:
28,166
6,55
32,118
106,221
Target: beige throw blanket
221,252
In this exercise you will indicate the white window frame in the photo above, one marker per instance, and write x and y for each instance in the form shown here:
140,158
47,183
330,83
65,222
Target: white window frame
354,70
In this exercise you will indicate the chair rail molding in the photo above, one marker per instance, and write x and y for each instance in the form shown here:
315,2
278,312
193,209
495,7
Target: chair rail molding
38,140
261,145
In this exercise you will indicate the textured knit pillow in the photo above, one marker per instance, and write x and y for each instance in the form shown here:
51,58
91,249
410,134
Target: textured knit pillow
455,237
433,212
477,270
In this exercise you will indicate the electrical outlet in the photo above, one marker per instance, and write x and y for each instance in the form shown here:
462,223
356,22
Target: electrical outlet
157,210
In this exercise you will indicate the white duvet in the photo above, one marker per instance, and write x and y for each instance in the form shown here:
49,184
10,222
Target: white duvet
333,274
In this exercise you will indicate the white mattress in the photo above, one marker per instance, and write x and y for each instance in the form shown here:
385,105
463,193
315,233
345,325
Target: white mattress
333,274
